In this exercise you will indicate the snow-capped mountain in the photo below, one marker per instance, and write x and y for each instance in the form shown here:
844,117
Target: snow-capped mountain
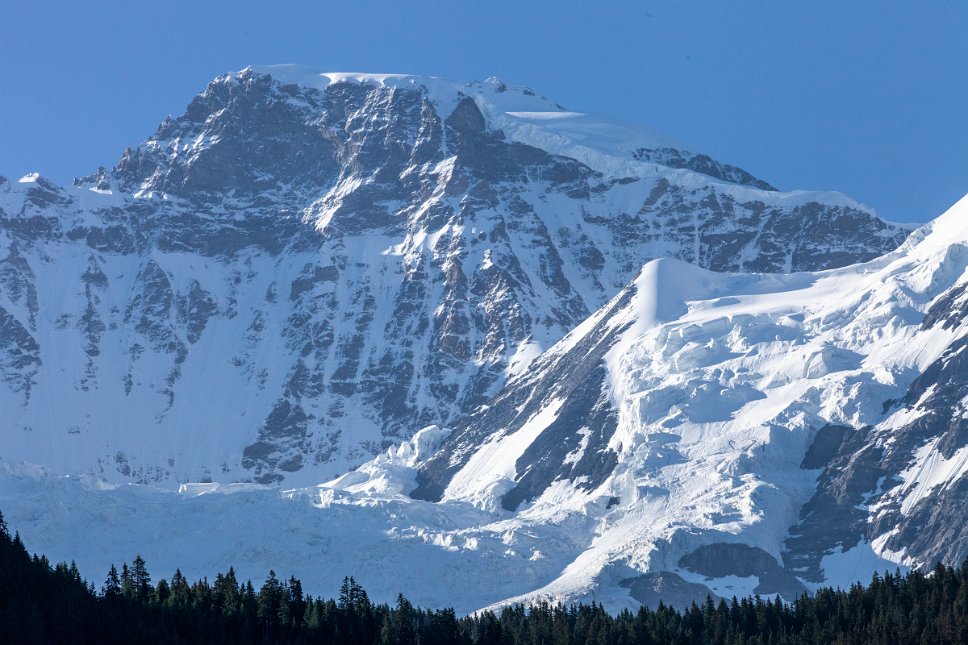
701,432
303,269
741,433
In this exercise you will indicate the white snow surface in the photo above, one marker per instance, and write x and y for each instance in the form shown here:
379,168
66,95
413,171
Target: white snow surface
720,385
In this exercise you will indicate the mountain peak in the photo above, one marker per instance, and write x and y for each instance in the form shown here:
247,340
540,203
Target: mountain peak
276,128
437,88
524,116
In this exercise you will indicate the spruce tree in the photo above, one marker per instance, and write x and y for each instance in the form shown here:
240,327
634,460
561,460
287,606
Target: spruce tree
140,579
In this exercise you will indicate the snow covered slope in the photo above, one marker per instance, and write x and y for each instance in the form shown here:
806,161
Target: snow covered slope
303,269
754,433
702,431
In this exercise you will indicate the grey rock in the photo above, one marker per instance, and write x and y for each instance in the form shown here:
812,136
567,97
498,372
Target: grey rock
669,589
19,355
732,559
703,164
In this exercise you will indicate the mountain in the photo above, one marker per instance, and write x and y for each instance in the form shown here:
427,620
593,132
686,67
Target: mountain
741,433
700,433
303,269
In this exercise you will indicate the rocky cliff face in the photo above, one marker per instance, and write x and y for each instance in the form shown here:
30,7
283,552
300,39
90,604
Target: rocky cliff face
303,269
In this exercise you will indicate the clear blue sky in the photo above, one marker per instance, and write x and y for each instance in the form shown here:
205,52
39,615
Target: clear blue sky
869,98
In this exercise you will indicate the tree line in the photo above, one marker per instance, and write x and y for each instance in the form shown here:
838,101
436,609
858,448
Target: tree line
44,603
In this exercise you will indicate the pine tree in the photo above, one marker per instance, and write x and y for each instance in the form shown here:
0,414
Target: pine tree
295,603
127,583
140,579
112,584
269,599
227,593
180,590
162,591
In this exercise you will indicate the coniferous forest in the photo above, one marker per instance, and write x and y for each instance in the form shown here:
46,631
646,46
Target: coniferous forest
41,603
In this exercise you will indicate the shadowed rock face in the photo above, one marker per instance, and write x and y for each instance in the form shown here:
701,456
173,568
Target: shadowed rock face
931,529
573,447
725,559
703,164
861,493
284,280
20,356
949,310
835,515
668,588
